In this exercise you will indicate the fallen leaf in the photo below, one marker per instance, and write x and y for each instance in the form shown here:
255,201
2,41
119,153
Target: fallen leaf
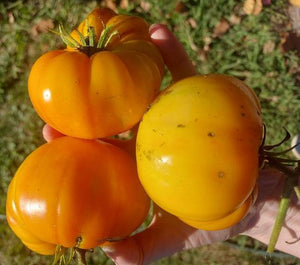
42,26
146,6
202,55
290,41
180,7
268,47
252,7
11,18
234,20
207,41
221,28
124,4
110,4
192,22
294,15
295,3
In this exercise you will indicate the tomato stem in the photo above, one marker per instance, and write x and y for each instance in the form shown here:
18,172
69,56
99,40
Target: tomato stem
289,186
297,191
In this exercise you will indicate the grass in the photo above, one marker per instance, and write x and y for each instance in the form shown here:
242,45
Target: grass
250,49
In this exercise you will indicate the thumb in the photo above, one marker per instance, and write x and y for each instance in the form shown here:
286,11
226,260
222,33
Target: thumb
125,252
173,52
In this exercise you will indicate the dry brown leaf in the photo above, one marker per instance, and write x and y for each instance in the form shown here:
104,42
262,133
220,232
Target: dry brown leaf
294,15
252,7
42,26
180,7
11,18
221,28
290,41
110,4
202,55
295,3
146,6
192,22
268,47
207,41
124,4
234,20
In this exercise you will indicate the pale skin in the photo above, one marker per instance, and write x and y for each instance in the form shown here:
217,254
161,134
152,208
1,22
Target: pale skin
166,234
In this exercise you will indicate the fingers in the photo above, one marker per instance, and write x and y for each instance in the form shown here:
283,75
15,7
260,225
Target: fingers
174,54
165,236
50,134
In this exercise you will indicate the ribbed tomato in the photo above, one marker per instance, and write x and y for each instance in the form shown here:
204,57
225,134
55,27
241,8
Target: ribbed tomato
75,192
103,85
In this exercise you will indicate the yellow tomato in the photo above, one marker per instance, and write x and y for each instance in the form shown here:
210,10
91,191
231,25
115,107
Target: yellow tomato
197,149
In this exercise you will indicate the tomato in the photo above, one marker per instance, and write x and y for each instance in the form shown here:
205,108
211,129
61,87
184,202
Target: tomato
96,19
91,92
71,189
197,150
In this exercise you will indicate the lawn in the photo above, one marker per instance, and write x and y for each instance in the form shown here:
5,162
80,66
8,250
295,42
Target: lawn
218,35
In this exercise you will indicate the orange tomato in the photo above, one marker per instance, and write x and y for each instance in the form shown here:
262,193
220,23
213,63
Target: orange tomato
75,192
91,92
197,150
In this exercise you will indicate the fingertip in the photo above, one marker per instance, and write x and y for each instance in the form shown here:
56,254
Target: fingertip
125,252
50,133
159,32
172,51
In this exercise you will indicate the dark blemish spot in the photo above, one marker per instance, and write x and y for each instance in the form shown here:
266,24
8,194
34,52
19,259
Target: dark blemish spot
211,134
243,114
138,147
221,174
159,133
148,154
195,120
180,126
242,106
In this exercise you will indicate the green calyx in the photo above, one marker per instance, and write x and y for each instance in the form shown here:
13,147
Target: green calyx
88,44
64,256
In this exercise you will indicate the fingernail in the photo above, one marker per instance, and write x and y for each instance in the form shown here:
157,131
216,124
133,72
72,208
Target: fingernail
153,28
157,31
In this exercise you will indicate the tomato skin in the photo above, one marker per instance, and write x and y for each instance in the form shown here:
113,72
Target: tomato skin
102,94
71,188
96,19
197,148
228,220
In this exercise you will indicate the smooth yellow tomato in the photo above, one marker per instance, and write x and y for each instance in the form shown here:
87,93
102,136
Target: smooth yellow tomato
74,192
228,220
197,149
95,92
